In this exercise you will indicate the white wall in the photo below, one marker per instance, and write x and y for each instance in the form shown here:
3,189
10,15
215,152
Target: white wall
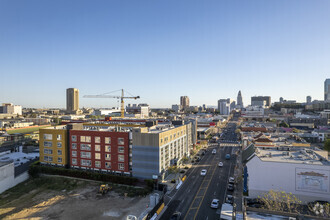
264,176
7,178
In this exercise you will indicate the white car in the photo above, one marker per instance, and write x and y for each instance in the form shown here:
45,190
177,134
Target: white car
220,164
203,172
215,203
214,151
231,180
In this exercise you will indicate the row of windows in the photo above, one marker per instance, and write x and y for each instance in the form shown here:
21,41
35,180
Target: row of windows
50,144
50,159
87,147
97,140
88,163
50,151
88,155
170,137
50,137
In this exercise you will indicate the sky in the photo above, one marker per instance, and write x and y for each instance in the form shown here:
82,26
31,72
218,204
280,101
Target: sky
161,50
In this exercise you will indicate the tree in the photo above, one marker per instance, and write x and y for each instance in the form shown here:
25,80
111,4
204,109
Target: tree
280,201
327,145
322,210
284,124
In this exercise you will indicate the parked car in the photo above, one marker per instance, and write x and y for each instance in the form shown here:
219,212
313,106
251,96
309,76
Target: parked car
231,180
203,172
220,164
229,199
230,187
215,203
176,216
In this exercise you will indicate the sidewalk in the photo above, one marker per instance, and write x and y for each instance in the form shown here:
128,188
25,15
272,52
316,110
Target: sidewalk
238,194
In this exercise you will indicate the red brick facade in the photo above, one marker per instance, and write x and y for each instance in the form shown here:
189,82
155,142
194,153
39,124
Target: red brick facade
100,150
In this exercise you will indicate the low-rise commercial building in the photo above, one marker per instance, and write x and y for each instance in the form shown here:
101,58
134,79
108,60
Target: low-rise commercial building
304,173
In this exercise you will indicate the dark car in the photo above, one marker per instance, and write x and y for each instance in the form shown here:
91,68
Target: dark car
229,199
176,216
230,187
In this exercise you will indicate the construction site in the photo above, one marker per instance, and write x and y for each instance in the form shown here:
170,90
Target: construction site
68,198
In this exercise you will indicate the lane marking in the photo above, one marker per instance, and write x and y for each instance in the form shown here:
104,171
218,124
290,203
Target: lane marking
204,180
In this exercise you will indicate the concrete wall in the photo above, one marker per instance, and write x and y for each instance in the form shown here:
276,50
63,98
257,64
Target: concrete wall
7,179
264,176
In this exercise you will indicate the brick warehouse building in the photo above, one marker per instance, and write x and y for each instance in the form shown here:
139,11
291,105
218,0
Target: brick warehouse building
101,150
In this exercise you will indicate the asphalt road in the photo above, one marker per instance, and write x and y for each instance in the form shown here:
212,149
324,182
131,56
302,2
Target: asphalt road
194,197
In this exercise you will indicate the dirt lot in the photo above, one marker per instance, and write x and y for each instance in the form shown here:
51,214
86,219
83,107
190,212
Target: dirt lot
62,198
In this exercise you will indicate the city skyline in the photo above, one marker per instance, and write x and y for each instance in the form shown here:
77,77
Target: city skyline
161,51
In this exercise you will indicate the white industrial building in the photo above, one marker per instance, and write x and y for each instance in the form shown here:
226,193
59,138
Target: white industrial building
14,168
304,172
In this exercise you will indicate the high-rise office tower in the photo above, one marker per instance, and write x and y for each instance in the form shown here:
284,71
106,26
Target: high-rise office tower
327,90
184,102
239,100
256,100
72,100
308,100
225,106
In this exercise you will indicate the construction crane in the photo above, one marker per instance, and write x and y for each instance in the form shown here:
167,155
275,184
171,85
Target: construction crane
122,97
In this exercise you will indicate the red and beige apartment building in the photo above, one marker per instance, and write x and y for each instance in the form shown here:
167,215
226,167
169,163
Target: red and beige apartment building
100,150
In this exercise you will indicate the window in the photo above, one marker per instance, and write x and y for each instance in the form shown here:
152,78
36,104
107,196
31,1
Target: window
97,140
48,136
120,141
121,166
88,139
59,159
45,158
74,153
48,144
85,147
59,144
82,139
97,156
74,161
120,149
97,147
107,148
59,152
108,165
97,163
85,154
48,151
74,146
73,138
59,137
50,159
86,163
121,158
107,140
108,156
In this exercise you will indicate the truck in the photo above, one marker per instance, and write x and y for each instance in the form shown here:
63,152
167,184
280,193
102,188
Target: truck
226,211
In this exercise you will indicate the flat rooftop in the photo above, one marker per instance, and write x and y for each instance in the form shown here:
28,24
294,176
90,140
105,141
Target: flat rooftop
304,156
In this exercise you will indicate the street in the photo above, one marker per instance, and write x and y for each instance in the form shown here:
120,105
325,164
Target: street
193,199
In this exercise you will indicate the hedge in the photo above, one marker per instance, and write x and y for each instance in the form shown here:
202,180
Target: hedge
35,169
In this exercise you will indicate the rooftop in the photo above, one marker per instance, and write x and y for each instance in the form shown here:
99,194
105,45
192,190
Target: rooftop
305,156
